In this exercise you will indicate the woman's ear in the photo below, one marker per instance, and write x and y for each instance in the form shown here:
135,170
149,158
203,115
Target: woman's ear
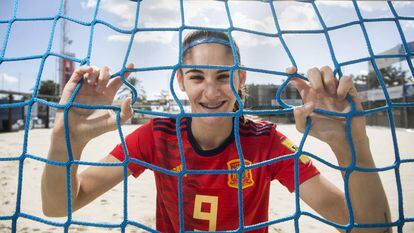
180,79
242,77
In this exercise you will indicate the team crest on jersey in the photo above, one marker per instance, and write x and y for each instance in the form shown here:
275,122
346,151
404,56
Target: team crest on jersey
291,146
178,169
247,179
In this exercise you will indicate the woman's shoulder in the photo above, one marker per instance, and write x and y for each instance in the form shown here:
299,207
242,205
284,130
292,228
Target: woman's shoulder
154,127
167,125
266,128
256,127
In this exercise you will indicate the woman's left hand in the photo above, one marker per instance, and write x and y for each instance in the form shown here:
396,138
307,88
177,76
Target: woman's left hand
324,91
366,192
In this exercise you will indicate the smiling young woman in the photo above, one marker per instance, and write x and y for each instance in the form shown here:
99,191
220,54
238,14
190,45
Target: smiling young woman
209,201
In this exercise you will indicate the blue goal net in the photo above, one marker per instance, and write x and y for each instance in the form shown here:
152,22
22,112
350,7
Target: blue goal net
279,34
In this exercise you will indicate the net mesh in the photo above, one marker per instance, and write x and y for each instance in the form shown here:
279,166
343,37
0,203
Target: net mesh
277,35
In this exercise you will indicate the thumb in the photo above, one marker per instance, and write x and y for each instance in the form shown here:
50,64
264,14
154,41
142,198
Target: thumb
291,70
129,66
126,110
116,82
301,113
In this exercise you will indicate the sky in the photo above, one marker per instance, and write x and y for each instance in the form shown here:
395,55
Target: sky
151,49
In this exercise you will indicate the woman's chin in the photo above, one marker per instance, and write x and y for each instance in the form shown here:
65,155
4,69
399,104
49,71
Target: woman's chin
212,120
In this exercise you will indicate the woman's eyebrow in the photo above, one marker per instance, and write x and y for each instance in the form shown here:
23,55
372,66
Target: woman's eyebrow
222,71
201,72
194,71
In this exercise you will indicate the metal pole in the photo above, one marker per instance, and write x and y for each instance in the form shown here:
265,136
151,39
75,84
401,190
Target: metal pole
63,32
62,46
405,110
47,117
10,114
367,83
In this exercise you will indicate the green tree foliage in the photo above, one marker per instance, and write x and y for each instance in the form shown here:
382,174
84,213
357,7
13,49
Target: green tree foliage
48,87
137,83
392,77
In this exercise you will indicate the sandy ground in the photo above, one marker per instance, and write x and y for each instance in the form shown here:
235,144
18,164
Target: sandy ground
141,195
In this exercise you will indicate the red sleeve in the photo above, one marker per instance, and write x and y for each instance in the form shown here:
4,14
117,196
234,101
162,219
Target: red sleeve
138,144
284,170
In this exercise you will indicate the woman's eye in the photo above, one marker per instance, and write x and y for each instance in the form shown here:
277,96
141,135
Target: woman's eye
197,77
223,77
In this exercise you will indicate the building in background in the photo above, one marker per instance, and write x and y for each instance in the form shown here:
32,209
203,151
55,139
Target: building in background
67,67
401,89
385,62
263,96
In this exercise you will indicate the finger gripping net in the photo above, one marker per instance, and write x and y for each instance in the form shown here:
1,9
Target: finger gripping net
277,35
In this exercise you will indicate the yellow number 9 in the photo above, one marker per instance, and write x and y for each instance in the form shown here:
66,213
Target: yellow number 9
209,216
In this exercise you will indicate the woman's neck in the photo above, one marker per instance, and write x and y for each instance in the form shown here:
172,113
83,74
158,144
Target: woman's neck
211,136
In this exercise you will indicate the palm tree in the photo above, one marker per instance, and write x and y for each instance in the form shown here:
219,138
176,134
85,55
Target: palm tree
125,90
392,76
48,88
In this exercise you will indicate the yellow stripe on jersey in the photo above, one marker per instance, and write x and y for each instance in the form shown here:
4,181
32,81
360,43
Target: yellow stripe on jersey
289,144
304,159
292,147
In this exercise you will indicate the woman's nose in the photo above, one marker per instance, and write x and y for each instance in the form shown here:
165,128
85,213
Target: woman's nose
212,91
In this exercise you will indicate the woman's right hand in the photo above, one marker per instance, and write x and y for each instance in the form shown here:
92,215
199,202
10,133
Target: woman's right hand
97,89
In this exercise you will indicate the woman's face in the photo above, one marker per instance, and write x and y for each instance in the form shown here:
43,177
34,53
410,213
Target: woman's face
209,90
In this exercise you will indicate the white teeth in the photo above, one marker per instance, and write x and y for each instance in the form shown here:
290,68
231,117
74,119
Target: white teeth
212,105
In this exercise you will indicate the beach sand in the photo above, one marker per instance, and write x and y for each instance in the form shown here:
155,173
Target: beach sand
141,192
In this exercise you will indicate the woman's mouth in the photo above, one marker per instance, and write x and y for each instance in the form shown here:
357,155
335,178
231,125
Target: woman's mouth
214,105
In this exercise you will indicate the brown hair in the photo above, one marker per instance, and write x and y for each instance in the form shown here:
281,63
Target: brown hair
200,34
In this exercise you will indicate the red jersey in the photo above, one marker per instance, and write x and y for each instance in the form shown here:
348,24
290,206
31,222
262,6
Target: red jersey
210,201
